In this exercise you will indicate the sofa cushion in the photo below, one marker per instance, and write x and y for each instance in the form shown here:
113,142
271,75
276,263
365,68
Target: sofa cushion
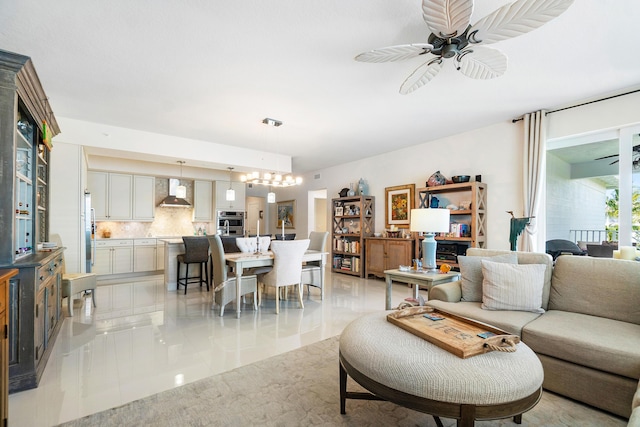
595,342
598,287
471,272
524,258
512,287
509,321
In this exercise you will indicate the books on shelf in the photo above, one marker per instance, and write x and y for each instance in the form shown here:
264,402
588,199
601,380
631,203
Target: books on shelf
346,263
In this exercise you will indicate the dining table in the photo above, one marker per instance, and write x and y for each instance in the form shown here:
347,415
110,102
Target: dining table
238,261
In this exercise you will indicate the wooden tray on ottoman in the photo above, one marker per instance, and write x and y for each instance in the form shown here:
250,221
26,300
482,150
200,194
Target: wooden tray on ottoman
456,334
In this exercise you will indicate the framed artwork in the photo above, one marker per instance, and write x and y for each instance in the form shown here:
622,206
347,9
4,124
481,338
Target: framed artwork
286,213
398,204
339,211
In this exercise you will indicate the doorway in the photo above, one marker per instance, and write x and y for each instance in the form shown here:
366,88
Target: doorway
256,212
317,209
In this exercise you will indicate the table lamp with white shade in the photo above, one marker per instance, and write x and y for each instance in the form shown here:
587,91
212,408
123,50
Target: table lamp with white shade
429,221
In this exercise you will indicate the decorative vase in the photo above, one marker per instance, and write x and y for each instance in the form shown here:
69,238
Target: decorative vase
352,192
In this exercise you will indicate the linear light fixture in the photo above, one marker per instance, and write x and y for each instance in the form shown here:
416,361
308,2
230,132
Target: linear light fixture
273,179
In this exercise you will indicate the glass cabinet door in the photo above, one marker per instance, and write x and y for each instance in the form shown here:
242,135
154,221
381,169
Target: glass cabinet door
24,209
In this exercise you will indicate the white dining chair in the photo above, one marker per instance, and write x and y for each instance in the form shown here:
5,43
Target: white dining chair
247,244
312,270
224,288
287,268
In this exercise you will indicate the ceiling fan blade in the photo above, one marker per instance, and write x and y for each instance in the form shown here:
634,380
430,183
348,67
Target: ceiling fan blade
482,63
515,19
447,17
422,75
614,162
607,157
395,53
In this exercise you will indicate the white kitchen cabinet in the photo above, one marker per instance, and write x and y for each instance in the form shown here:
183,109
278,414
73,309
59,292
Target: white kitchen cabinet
113,256
144,205
202,201
221,188
144,255
111,195
98,185
160,255
122,197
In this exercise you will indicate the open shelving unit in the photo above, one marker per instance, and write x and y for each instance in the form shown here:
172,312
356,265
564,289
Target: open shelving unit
353,220
470,195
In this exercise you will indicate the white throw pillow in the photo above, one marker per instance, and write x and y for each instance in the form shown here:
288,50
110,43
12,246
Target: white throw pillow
471,272
512,287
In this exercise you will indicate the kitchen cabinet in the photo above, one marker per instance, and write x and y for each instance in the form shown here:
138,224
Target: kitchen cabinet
144,255
5,276
144,191
111,195
160,255
122,197
113,256
353,220
470,198
203,201
221,188
386,254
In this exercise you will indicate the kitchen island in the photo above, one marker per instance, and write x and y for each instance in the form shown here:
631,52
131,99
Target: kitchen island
172,248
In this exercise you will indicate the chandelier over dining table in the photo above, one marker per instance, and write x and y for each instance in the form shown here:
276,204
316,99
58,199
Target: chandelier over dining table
273,179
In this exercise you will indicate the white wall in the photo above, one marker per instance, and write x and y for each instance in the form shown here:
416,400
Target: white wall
610,114
495,152
572,204
66,201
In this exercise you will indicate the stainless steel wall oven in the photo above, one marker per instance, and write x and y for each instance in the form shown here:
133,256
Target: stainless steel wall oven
230,223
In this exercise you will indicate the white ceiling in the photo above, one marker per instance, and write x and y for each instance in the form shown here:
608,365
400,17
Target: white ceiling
212,70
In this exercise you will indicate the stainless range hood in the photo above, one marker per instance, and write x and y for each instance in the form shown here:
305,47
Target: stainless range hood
171,201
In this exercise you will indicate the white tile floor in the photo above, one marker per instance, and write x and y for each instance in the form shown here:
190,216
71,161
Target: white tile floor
142,340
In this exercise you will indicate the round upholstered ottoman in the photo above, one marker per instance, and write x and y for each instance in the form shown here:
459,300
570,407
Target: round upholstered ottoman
397,366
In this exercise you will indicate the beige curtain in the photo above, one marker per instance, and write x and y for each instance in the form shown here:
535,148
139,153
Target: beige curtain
534,177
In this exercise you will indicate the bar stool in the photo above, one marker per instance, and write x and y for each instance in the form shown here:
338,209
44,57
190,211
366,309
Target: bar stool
196,251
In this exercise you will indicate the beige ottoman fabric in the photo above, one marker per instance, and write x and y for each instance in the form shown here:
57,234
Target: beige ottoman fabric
400,360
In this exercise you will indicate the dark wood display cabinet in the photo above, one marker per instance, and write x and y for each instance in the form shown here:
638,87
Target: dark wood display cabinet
34,293
5,276
387,253
353,220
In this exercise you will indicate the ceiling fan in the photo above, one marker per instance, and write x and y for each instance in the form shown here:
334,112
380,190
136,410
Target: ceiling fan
453,38
635,158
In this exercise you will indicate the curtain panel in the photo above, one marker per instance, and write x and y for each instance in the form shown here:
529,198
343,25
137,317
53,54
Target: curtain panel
534,168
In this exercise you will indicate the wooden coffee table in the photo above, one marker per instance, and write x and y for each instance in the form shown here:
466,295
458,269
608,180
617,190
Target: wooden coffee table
399,367
427,280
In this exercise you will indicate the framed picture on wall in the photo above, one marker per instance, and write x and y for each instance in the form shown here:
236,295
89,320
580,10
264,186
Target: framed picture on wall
286,214
398,204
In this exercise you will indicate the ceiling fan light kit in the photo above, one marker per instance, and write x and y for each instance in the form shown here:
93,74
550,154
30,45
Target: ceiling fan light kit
452,37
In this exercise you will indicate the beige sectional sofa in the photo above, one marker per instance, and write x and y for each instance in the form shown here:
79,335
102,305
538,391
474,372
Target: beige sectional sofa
587,338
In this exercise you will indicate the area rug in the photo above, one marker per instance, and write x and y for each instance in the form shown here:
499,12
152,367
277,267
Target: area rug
300,388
